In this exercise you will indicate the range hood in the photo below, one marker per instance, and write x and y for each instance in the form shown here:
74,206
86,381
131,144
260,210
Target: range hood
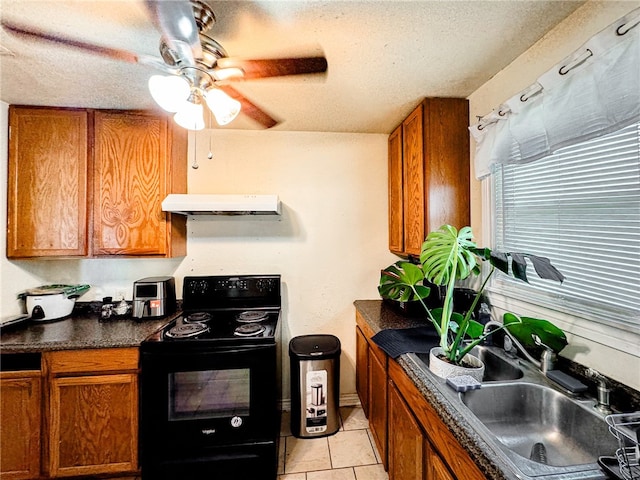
212,204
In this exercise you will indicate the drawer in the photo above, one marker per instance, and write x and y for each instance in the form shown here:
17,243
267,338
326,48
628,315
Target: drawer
91,360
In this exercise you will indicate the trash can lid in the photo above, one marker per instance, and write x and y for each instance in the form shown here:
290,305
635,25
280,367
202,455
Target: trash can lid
314,346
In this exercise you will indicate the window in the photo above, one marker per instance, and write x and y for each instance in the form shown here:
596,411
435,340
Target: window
581,208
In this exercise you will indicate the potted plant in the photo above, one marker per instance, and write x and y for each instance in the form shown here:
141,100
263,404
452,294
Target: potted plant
448,256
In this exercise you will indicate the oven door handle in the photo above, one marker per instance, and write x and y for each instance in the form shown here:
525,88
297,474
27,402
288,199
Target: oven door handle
233,349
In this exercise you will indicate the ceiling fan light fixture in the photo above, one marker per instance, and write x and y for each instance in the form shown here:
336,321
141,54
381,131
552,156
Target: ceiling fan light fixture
169,91
190,115
224,108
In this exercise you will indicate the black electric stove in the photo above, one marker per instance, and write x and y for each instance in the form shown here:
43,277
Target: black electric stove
208,383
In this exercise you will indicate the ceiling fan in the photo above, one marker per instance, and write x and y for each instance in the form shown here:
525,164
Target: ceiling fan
196,68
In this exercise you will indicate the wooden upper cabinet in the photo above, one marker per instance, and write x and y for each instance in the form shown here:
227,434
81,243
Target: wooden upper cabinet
435,173
76,171
48,183
133,174
396,216
414,181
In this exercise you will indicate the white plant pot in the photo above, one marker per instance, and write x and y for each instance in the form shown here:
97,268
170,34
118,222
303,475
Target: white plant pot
445,369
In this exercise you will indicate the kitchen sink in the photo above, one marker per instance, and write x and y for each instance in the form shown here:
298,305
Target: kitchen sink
533,426
496,368
543,426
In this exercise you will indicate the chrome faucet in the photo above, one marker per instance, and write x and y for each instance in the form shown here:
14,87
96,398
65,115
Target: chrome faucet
603,389
547,359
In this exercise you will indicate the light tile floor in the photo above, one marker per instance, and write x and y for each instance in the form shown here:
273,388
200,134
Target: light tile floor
350,454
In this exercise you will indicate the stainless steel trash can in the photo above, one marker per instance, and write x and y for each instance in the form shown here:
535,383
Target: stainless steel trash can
315,385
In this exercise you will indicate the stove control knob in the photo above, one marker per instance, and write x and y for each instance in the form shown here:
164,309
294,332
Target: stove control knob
236,422
198,287
264,285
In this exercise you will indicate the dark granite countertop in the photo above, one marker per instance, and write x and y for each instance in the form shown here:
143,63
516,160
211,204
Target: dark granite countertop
84,329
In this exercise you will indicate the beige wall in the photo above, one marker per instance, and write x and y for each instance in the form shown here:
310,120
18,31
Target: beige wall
589,344
328,245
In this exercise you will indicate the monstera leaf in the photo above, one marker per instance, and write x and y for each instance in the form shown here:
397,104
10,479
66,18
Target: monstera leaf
448,252
527,329
402,281
518,267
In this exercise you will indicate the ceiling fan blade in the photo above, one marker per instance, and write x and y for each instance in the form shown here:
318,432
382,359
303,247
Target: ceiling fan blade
276,67
249,108
29,32
174,18
108,52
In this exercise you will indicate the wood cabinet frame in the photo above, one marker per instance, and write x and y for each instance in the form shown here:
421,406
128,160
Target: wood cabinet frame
107,172
453,461
429,173
371,382
20,430
96,392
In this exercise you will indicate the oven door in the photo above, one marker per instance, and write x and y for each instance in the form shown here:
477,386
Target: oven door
205,397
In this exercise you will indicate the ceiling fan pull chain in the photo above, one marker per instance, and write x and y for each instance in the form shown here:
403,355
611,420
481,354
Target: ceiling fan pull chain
210,154
195,165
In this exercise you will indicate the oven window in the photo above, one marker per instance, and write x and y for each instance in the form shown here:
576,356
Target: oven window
209,394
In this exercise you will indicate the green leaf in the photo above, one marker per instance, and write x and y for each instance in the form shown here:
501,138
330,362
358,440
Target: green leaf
525,329
402,281
475,329
448,252
518,268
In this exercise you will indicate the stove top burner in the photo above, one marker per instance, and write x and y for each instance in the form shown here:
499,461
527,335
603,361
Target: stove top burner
198,317
187,330
249,330
252,316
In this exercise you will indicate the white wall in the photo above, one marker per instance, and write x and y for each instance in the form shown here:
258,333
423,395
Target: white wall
328,245
589,344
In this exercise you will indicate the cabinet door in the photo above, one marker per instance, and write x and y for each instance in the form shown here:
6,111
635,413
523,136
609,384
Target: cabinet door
131,168
436,468
47,183
20,425
446,162
414,184
93,425
406,440
362,370
396,202
378,404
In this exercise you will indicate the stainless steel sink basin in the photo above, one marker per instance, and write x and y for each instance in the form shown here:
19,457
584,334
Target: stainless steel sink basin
541,425
496,368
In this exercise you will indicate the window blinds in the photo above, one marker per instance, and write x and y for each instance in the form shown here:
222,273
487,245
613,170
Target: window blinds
581,208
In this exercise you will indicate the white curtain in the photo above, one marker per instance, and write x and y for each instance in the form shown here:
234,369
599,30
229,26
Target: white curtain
594,91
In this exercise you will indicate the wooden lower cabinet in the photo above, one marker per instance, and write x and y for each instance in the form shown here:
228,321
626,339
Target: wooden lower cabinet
406,440
92,412
378,404
93,425
362,370
412,440
436,468
371,384
412,416
20,406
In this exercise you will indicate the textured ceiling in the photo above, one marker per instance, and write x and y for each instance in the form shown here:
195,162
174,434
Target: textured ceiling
384,56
